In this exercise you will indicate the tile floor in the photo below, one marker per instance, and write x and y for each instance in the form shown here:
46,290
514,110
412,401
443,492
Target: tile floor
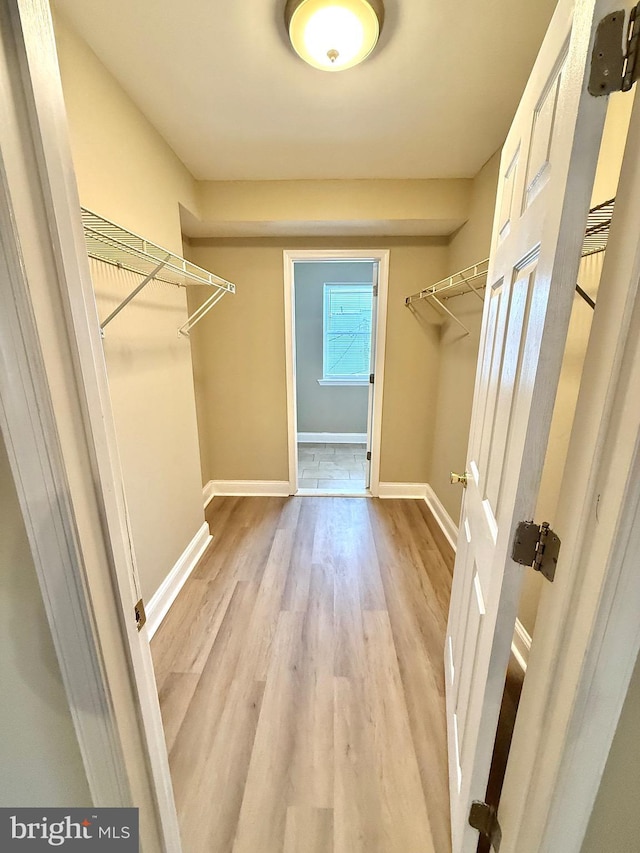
332,467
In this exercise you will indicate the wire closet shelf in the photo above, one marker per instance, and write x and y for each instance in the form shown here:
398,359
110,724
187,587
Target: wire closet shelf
470,279
119,247
597,231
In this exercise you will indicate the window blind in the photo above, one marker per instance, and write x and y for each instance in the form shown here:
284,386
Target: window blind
347,330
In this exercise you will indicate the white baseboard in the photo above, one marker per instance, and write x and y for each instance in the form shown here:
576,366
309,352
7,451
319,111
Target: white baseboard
207,493
521,645
249,488
332,438
158,607
446,523
402,490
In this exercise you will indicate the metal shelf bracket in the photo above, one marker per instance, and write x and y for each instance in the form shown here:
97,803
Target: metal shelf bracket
145,281
200,312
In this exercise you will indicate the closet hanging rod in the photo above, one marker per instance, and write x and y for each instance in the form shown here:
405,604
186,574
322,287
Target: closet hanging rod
112,244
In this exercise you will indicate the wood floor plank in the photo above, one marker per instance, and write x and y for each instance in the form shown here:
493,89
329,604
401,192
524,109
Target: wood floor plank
262,820
201,723
335,546
419,640
406,575
296,593
209,818
358,826
241,544
311,769
305,699
402,803
292,760
441,542
308,830
254,660
184,639
175,697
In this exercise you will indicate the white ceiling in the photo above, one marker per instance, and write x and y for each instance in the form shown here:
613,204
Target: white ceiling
220,82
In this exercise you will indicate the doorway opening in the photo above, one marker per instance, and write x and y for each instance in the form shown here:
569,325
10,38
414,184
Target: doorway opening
335,306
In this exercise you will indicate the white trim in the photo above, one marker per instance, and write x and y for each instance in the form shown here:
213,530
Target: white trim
251,488
332,438
446,523
402,490
158,606
208,493
290,371
375,440
521,645
347,382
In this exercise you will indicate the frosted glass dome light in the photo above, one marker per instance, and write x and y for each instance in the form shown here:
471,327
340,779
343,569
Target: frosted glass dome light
333,35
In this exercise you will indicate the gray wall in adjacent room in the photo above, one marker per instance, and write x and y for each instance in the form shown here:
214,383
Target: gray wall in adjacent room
324,408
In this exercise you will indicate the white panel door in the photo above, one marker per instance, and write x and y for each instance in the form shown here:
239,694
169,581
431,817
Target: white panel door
547,168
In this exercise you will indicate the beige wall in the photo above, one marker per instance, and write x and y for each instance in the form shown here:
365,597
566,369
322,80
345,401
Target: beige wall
614,826
384,207
459,353
127,173
41,762
125,170
239,360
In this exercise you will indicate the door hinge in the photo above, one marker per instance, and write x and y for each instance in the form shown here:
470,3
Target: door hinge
141,616
368,456
537,547
375,289
484,818
614,62
372,378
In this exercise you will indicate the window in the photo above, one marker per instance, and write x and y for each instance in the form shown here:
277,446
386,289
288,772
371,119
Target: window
346,340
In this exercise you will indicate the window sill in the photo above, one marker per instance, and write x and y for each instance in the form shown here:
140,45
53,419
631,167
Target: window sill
343,381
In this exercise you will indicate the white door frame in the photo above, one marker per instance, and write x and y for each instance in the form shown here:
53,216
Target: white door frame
291,256
57,423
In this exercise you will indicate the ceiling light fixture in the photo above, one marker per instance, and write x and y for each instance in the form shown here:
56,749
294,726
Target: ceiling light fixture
333,35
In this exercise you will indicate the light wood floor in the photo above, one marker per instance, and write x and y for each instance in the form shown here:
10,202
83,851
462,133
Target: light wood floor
300,673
